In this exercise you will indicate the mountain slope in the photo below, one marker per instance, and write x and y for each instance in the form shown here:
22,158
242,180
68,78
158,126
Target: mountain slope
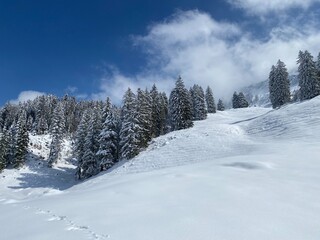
242,174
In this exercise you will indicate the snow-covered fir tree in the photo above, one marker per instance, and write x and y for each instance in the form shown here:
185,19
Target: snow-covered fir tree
81,137
89,165
180,107
4,144
220,105
243,103
308,77
144,117
155,112
109,139
57,132
130,128
22,141
279,85
199,110
211,106
235,100
239,100
164,124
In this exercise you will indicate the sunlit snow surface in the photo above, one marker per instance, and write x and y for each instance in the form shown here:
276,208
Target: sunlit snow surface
242,174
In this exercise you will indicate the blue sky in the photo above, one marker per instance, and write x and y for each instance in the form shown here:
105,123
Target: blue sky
94,49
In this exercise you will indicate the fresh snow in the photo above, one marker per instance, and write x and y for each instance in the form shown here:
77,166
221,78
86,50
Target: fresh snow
241,174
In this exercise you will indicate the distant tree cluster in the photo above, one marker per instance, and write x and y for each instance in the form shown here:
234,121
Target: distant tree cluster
102,133
48,114
239,100
106,136
309,80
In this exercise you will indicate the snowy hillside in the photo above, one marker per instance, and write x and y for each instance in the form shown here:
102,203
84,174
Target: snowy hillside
258,94
241,174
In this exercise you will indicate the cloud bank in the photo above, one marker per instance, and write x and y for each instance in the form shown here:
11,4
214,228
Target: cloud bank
27,95
205,51
263,7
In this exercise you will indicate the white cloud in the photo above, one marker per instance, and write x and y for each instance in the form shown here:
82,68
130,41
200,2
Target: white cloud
27,95
262,7
208,52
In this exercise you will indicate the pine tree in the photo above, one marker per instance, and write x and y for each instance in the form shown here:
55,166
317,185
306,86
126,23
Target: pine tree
243,103
235,100
180,107
57,133
144,114
109,140
89,164
164,125
279,85
220,106
12,143
4,144
130,129
155,112
211,106
308,78
22,140
199,110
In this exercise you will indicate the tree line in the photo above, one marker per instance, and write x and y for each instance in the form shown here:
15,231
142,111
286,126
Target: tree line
102,132
309,80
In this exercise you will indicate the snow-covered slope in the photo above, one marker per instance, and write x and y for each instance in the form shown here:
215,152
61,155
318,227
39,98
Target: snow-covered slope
241,174
258,94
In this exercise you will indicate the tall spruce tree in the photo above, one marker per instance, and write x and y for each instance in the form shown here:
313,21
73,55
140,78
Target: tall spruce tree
235,100
180,107
243,103
109,140
130,128
211,106
3,149
199,110
220,106
279,85
308,77
89,164
144,117
58,130
22,140
155,112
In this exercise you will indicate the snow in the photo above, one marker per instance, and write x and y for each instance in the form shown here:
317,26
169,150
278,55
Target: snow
241,174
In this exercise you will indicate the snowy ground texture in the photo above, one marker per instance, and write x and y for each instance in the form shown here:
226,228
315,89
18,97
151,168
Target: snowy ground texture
243,174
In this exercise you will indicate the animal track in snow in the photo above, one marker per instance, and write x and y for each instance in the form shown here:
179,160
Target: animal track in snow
71,225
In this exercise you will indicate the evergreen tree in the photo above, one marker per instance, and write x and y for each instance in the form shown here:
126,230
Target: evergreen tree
155,112
220,106
130,129
89,165
199,110
81,137
12,143
57,132
235,100
164,125
109,140
4,144
308,78
211,106
180,107
243,103
22,140
279,85
144,117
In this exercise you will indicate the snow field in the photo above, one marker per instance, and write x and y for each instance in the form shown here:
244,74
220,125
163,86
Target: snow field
241,174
